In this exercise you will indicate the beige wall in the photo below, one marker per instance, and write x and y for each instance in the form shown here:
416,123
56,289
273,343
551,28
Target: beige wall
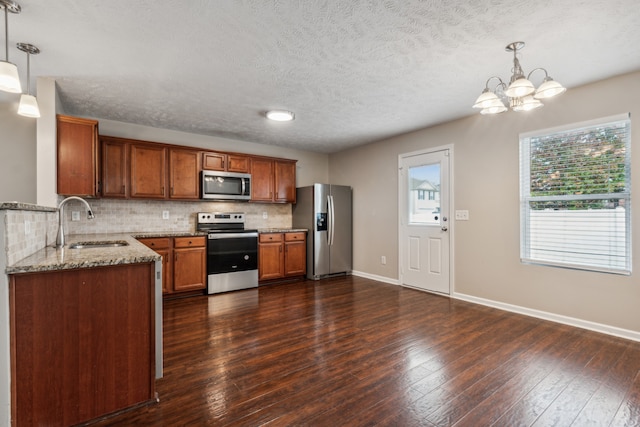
486,248
17,152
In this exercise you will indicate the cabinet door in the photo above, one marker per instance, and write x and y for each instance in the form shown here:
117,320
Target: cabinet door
148,171
237,163
162,246
114,168
295,258
285,182
77,157
214,161
270,261
189,269
261,180
184,169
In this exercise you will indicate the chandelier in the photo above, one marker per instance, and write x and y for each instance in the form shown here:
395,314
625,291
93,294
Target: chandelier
521,94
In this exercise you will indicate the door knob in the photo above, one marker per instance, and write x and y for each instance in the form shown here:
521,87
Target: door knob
444,228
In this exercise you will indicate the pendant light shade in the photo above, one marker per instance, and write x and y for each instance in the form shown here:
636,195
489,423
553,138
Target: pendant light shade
519,88
28,103
28,106
9,78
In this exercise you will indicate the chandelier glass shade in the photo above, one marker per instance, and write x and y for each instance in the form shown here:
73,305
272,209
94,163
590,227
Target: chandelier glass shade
520,94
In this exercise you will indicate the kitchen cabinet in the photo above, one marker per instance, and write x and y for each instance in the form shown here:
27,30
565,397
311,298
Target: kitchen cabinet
115,154
77,157
281,255
148,171
284,181
225,162
184,173
189,264
273,180
184,261
82,343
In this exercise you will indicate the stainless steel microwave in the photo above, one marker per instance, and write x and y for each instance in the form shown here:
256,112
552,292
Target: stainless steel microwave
225,185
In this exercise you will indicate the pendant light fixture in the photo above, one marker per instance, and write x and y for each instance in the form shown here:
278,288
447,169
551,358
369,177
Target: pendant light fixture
9,78
521,94
28,103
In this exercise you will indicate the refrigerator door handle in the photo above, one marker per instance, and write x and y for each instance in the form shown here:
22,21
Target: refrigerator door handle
332,217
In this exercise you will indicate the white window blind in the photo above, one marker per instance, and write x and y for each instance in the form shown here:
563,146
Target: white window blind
575,196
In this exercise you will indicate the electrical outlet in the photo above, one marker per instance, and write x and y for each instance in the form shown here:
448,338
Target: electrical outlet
165,214
265,215
383,260
27,227
462,215
75,216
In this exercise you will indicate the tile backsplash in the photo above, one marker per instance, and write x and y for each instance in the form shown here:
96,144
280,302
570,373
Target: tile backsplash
28,232
123,216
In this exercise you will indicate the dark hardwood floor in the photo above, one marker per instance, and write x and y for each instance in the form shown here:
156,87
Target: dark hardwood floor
355,352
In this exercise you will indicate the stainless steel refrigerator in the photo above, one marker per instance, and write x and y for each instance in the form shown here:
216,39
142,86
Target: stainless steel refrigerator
325,210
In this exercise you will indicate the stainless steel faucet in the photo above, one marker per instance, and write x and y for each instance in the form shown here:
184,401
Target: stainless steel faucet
60,239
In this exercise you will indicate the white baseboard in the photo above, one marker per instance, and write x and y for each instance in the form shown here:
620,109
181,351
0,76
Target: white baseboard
571,321
375,277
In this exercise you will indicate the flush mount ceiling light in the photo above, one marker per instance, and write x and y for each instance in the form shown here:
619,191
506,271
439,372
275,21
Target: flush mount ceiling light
9,79
28,103
521,94
280,115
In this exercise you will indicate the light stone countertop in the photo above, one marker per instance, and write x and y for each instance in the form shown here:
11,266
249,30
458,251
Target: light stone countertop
282,230
53,259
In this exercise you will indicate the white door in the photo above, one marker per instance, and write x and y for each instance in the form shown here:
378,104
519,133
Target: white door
424,220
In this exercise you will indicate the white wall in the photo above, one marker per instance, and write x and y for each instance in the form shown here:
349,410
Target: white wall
486,178
17,152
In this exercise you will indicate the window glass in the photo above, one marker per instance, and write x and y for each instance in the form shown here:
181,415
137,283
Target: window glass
424,194
575,196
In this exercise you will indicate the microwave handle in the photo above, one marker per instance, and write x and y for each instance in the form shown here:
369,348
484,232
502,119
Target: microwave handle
244,185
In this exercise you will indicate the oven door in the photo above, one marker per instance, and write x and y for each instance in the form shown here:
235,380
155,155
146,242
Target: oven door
228,252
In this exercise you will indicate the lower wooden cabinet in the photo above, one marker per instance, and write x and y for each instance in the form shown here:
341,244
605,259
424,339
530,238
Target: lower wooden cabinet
82,343
281,255
184,262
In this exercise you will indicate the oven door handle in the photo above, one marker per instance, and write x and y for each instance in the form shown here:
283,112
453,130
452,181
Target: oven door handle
231,235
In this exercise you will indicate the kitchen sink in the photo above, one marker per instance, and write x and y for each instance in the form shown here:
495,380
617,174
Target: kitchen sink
98,244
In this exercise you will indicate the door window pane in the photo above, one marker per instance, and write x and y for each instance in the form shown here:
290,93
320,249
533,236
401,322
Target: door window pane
424,194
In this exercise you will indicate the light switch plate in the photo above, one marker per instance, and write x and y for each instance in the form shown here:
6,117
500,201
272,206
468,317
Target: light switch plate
462,215
165,214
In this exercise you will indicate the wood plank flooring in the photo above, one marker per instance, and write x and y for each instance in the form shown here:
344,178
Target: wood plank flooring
355,352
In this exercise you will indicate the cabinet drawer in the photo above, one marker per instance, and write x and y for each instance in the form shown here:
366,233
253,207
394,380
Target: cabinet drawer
289,237
189,242
157,242
270,237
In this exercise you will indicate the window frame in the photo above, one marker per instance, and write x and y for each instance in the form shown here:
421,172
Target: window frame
526,198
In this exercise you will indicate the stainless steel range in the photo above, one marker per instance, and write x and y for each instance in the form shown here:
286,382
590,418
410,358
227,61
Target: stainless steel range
232,252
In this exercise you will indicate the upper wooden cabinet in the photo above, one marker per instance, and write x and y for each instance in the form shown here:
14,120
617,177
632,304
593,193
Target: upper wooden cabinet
261,180
184,171
77,157
115,154
273,180
225,162
148,171
284,181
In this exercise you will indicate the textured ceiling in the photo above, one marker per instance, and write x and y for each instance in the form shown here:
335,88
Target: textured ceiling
352,71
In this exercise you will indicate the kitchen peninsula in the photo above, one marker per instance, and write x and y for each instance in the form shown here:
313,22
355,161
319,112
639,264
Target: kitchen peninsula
85,324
